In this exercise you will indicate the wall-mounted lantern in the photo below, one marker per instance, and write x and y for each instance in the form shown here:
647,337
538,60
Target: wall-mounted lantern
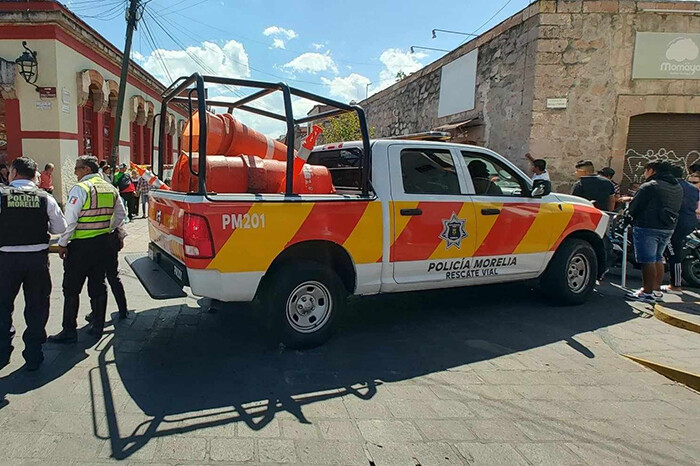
28,65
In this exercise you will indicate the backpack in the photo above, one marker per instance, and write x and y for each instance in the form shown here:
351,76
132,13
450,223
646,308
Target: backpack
124,182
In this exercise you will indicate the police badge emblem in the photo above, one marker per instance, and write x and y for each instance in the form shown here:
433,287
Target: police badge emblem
453,231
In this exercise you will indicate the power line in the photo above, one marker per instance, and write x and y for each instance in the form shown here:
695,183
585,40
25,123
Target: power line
487,21
156,50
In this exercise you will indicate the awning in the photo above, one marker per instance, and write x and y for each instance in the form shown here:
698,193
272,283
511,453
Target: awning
453,126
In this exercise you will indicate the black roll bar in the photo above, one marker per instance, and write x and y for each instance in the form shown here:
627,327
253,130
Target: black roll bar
174,94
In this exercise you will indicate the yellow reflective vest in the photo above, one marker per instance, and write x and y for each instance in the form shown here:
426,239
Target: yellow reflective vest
96,215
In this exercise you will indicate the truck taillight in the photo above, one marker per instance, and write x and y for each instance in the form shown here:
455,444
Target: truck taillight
197,237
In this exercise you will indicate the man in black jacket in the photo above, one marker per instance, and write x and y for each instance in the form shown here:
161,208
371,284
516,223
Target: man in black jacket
654,211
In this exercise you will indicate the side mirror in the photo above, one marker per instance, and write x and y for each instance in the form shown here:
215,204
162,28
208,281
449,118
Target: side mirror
541,188
538,191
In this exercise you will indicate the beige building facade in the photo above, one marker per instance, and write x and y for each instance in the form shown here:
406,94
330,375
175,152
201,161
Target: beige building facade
70,109
617,82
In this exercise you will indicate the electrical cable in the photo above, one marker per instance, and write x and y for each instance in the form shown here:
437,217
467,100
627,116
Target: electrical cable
487,21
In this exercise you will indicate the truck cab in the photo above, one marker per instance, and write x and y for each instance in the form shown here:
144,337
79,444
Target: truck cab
403,216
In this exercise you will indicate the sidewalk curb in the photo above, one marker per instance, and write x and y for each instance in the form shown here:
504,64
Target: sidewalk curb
661,313
690,379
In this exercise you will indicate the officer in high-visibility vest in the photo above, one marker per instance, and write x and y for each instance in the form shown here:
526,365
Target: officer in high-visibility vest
92,213
27,216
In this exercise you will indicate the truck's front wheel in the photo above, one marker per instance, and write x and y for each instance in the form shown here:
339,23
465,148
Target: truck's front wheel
571,274
303,302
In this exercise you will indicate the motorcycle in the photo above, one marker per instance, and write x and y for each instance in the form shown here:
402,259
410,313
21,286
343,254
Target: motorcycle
690,266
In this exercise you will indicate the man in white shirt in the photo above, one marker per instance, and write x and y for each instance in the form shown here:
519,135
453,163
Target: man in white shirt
93,211
27,216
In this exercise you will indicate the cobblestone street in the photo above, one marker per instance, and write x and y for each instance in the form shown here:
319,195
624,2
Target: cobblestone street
490,375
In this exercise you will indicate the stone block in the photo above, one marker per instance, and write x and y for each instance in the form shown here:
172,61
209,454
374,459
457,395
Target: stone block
627,6
548,6
182,449
235,450
549,32
388,431
569,6
555,19
600,6
495,454
546,58
552,45
276,451
330,453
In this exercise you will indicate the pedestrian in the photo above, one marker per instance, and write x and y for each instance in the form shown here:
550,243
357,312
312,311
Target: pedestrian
609,173
27,216
4,174
597,189
654,212
45,181
92,213
143,188
122,181
107,173
540,175
101,171
687,221
137,194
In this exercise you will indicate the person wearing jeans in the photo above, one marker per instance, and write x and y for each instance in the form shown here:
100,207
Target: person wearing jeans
687,222
142,187
654,211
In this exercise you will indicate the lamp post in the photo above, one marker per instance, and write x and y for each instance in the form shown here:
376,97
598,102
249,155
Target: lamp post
452,32
367,90
413,47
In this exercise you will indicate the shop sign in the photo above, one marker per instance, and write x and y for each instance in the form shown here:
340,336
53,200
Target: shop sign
44,105
47,92
666,55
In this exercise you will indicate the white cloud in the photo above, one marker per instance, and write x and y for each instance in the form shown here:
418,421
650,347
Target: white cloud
312,62
396,60
682,50
277,44
278,31
231,60
137,56
317,46
351,87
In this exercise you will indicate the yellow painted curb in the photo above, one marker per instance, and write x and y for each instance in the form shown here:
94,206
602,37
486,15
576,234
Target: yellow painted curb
686,378
663,315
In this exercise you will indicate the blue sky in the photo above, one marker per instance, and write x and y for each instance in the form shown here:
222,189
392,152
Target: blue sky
341,49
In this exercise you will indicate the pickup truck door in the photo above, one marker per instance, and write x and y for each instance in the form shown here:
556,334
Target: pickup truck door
514,231
432,219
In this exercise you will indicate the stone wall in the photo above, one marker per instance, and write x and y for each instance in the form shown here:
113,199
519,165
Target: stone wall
584,53
503,98
576,49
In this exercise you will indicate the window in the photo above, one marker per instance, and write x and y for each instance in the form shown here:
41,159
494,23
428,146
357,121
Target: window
88,116
429,171
136,148
492,177
107,134
344,165
147,154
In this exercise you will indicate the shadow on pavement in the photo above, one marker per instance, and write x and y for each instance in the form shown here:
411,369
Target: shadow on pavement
197,370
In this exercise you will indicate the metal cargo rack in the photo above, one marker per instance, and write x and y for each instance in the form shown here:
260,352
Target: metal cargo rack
187,88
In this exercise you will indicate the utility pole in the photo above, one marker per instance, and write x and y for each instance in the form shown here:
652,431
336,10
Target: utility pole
132,17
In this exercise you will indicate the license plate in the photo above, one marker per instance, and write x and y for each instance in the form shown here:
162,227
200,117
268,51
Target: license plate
177,272
151,254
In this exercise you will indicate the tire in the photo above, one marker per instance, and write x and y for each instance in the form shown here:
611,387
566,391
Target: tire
571,274
303,301
691,271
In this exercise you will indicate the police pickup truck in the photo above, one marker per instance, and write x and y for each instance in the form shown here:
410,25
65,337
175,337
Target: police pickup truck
404,216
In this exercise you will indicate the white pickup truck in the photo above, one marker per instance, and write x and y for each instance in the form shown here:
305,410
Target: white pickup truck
426,215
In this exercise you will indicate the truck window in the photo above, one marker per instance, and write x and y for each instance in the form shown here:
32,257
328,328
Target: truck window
344,165
429,171
491,177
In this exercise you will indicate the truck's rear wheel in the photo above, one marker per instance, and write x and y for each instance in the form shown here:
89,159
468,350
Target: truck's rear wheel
571,274
303,302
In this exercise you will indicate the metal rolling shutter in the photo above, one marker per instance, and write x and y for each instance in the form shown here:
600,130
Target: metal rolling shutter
673,137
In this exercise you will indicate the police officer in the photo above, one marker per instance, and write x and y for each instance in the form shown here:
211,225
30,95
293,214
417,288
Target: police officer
92,213
27,216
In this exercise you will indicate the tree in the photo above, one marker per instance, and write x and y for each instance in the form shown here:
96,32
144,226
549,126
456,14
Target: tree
345,127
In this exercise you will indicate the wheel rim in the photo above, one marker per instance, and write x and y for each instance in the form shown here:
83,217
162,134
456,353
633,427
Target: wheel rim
578,272
308,307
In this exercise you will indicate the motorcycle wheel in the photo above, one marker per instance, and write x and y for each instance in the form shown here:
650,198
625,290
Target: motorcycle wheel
690,268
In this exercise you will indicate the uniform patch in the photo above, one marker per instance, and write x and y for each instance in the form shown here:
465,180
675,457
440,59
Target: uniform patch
73,200
453,231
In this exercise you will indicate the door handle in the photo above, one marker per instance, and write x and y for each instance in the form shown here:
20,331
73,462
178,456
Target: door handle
490,211
411,212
